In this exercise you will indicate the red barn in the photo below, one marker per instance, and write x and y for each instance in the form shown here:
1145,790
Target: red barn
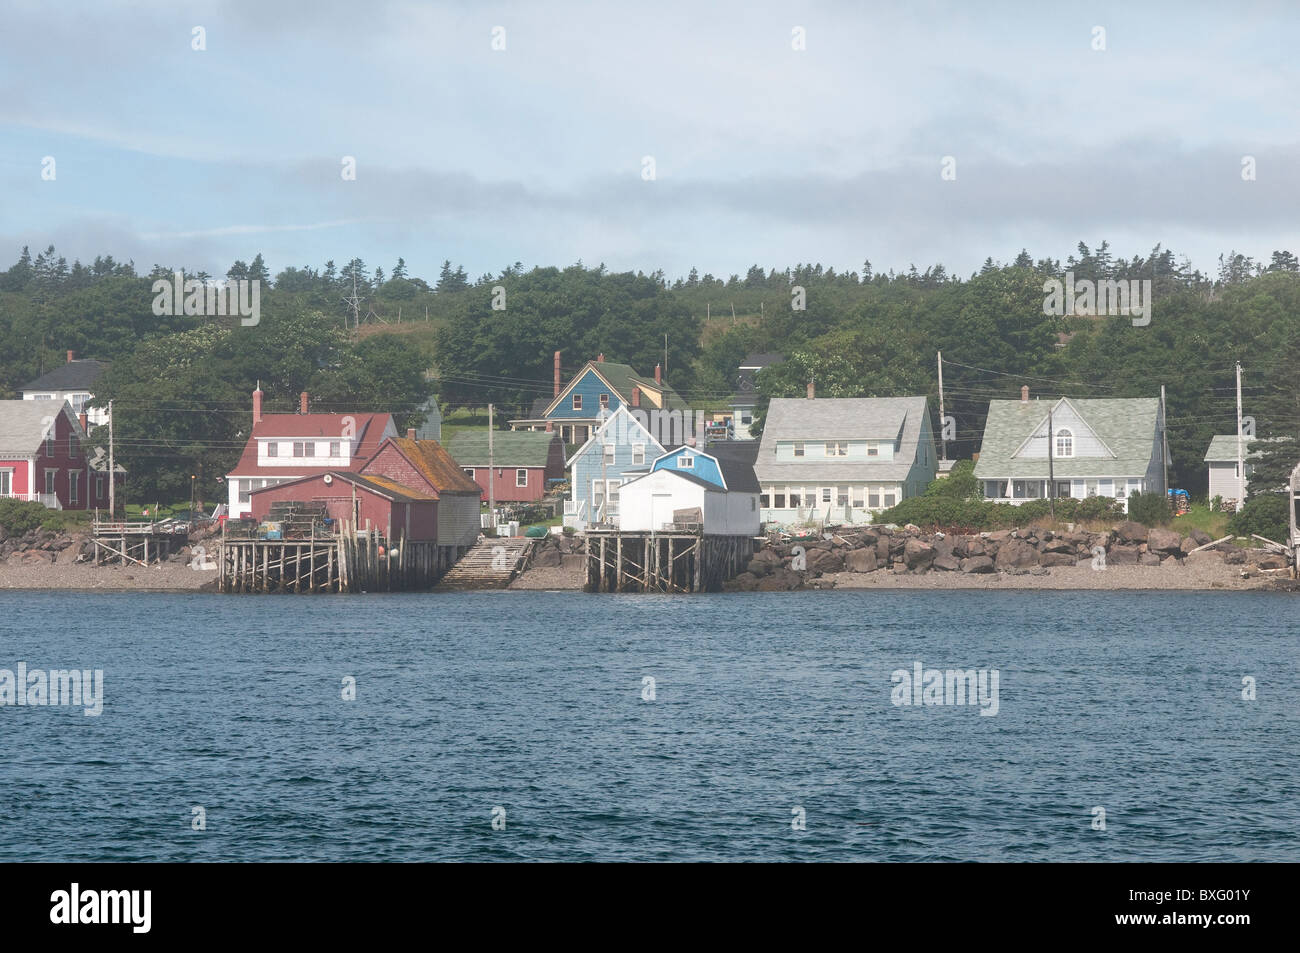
45,457
425,467
374,502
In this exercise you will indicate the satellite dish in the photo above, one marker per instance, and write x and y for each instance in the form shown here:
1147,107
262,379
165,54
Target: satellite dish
328,479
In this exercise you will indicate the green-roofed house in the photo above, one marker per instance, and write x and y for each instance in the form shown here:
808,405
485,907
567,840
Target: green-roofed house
599,389
1109,447
517,467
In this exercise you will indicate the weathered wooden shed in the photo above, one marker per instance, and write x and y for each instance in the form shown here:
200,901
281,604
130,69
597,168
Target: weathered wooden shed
367,501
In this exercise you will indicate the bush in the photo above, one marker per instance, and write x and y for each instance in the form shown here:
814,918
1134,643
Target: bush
937,510
959,484
19,516
568,531
1264,514
1149,509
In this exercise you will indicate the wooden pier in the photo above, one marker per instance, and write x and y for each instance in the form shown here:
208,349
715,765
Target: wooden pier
139,543
349,561
663,562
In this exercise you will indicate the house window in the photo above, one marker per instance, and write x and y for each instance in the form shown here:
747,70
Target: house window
873,497
469,472
794,497
1106,488
858,497
1062,489
49,442
837,448
763,500
1077,489
604,402
74,478
1134,486
305,448
842,496
873,448
272,448
798,448
336,448
826,494
245,490
49,481
521,477
686,462
99,487
6,482
610,451
891,497
72,444
577,402
638,454
1064,443
779,501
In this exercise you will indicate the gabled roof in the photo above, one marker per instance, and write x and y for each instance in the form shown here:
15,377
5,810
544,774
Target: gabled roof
435,464
23,425
688,477
1052,417
613,427
1127,427
760,361
368,428
621,378
1223,448
510,448
896,419
74,375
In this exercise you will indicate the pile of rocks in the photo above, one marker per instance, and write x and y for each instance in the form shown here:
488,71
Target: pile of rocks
798,563
43,547
557,551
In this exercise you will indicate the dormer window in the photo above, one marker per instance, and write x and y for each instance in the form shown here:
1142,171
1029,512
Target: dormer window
272,448
577,402
1064,443
837,448
873,448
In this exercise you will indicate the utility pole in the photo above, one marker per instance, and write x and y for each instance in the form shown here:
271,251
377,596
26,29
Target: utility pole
943,426
1241,456
112,473
665,358
1051,471
1164,438
492,474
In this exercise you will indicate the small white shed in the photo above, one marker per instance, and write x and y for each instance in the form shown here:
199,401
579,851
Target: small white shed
652,502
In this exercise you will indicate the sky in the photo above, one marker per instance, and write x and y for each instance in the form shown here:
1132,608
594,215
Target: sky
778,133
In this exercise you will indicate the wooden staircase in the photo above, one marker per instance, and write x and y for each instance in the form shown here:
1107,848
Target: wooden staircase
491,564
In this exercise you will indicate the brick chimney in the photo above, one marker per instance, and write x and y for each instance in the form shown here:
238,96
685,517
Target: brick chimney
812,390
557,375
600,358
550,426
410,433
1024,394
257,404
659,374
302,403
72,356
85,422
636,397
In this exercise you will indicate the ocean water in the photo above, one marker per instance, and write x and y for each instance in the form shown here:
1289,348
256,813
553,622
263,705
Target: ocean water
532,709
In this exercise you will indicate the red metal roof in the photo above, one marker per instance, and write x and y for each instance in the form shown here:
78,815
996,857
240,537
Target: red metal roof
369,427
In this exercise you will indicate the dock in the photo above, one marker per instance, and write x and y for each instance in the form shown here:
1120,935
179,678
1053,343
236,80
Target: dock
140,543
491,564
663,562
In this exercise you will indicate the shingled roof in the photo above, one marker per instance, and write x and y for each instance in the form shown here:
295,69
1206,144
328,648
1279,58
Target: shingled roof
510,448
437,465
1128,427
74,375
895,419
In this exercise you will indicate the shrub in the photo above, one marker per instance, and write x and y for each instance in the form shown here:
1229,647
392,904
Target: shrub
19,516
959,484
568,531
1149,509
1264,514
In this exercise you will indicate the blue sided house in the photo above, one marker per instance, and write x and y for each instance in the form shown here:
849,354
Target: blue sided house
620,449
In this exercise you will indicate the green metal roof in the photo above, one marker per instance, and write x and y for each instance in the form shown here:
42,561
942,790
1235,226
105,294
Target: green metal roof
1129,428
510,448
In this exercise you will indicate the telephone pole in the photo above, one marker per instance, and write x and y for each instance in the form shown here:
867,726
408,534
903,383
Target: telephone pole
943,426
1164,438
492,474
112,473
1051,472
1241,456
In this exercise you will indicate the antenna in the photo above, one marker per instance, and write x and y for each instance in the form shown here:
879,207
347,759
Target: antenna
354,303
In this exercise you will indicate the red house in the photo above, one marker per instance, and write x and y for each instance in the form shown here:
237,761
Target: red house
285,447
522,463
45,457
368,502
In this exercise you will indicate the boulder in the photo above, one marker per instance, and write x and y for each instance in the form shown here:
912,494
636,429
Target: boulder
547,558
780,580
1273,561
1149,559
976,547
918,555
1016,554
1121,555
882,550
947,562
977,564
1204,557
1234,555
1058,544
861,560
824,561
1057,559
1164,541
745,582
1188,544
573,560
1201,537
760,567
1131,532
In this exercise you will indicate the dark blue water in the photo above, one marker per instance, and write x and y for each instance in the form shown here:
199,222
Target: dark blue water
532,702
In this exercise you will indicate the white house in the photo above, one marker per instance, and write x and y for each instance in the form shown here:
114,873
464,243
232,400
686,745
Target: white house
1225,476
1109,447
689,486
842,459
73,381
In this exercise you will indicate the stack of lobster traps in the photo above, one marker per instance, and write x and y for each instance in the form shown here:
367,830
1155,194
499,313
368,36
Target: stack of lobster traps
294,519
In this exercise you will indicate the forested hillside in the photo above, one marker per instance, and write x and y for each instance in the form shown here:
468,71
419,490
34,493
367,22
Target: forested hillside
364,339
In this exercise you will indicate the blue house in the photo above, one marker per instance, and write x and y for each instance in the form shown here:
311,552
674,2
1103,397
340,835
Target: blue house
600,389
620,448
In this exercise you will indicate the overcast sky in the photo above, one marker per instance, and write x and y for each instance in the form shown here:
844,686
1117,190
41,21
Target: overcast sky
763,153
